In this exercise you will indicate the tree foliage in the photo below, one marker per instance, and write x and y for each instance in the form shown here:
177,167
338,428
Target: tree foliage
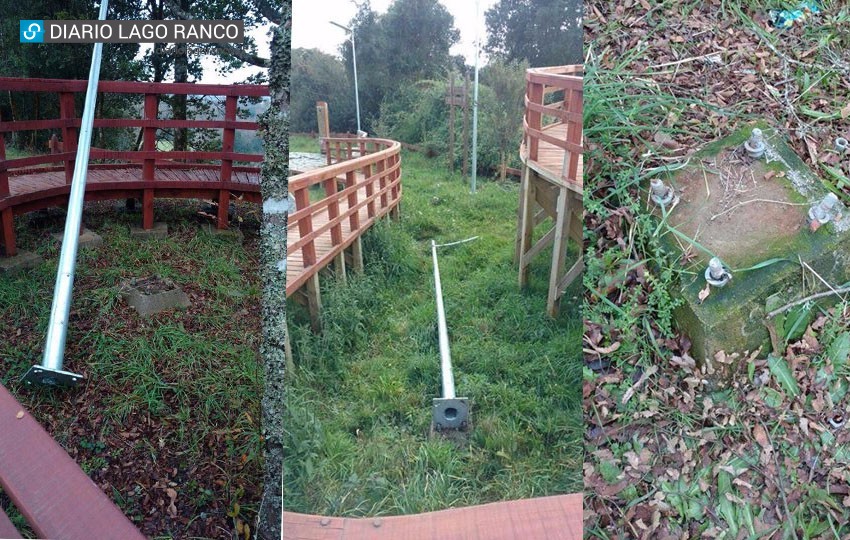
410,42
543,32
317,76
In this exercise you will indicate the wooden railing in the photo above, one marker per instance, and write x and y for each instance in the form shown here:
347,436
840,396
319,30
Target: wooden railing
361,173
559,122
149,159
50,491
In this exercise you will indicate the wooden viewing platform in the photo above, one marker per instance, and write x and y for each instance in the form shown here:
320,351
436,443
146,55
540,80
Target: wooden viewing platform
551,184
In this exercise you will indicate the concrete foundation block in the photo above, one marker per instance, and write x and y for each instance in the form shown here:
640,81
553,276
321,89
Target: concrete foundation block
753,215
159,231
153,294
24,260
88,239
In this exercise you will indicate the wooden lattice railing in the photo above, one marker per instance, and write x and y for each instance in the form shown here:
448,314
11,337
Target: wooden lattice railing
555,121
361,173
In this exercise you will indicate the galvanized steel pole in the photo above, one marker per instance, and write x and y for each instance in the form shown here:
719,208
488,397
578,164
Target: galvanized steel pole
445,353
50,371
473,181
448,411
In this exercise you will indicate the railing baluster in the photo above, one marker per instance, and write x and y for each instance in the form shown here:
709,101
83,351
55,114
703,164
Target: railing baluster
69,133
305,226
333,210
354,218
227,139
370,206
7,223
535,95
382,183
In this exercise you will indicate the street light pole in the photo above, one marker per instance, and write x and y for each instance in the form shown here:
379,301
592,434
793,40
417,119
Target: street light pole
354,62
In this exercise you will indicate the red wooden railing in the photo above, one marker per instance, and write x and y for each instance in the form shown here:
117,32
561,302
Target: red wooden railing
148,158
360,173
559,123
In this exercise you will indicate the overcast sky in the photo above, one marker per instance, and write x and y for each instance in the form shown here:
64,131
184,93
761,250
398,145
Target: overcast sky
311,29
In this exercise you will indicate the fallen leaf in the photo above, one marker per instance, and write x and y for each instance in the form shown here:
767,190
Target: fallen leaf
703,294
760,436
19,415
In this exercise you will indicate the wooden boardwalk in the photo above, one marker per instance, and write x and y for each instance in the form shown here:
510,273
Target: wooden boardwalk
335,206
557,517
552,176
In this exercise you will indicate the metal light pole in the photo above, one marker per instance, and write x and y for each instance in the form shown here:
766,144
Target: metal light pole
475,102
354,62
50,371
449,411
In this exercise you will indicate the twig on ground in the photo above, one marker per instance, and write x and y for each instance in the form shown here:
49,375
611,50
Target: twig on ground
809,298
753,201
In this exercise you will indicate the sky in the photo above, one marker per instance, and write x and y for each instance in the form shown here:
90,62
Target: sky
311,29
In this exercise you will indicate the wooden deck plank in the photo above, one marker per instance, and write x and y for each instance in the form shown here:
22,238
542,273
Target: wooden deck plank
557,517
48,487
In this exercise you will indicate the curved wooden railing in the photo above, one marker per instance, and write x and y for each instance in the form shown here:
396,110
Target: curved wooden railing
148,161
361,183
552,132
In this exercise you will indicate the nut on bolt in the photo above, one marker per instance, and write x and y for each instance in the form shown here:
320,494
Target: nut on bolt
716,274
821,212
755,145
842,145
662,194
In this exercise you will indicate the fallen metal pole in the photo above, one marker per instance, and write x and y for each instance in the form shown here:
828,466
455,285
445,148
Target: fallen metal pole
50,371
448,411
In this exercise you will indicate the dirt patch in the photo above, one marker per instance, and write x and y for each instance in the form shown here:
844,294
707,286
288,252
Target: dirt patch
737,207
153,285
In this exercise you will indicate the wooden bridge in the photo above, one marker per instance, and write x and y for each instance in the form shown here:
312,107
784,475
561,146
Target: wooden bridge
551,174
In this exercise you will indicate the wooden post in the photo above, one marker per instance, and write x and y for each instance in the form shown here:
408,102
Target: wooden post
7,222
357,255
305,227
336,230
465,145
452,121
69,133
526,223
370,206
559,252
4,174
382,182
149,163
314,302
324,126
228,137
534,118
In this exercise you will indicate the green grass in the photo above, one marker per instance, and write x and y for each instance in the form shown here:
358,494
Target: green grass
358,406
174,395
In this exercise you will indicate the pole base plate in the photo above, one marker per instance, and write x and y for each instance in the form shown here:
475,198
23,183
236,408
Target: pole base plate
51,377
450,413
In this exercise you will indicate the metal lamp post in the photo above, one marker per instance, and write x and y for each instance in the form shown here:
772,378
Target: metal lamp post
50,371
354,62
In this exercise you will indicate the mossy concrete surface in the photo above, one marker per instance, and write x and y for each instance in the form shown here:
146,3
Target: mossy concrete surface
146,303
752,214
24,260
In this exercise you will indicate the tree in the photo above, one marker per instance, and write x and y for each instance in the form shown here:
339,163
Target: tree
317,76
410,42
503,114
543,32
274,187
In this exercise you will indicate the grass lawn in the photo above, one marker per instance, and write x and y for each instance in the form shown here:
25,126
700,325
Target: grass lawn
359,403
171,401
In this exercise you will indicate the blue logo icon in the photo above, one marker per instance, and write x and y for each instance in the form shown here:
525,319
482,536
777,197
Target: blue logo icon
32,31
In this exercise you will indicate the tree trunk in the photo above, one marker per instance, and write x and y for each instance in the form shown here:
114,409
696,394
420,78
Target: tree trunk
181,75
274,187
